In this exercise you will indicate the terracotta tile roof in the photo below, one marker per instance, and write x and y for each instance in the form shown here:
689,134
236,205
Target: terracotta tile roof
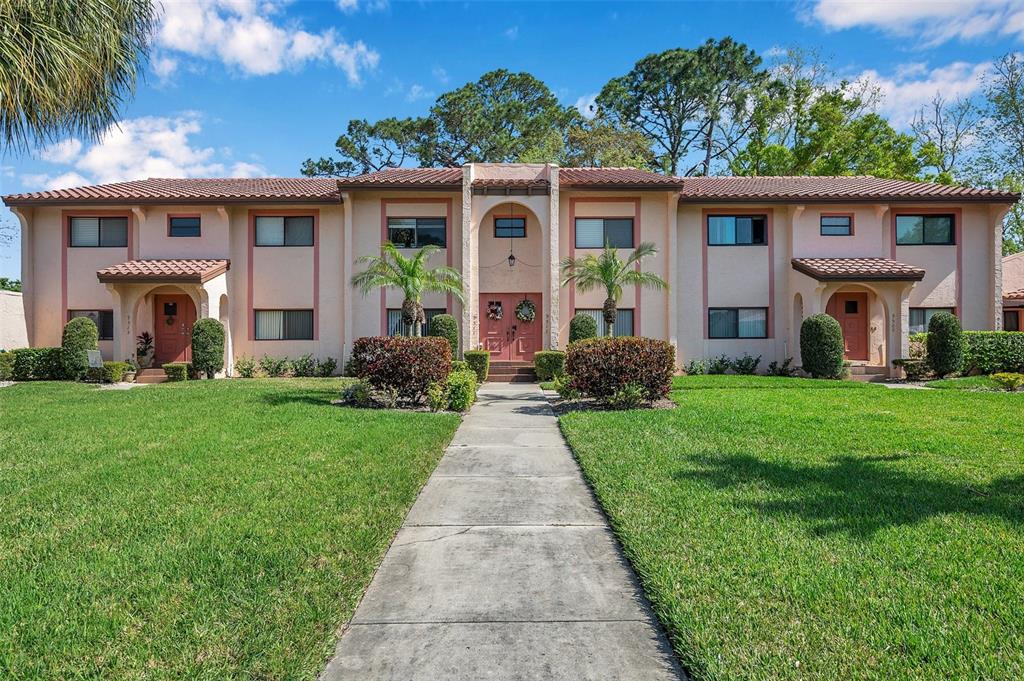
846,188
611,178
185,271
1014,295
405,178
192,190
857,269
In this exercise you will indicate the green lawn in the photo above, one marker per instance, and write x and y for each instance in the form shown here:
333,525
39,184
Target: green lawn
797,529
215,529
965,383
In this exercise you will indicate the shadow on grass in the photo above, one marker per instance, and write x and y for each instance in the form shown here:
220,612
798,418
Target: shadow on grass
858,495
315,397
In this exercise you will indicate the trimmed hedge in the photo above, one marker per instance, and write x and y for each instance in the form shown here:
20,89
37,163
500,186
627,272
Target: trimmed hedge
992,352
445,326
177,371
37,364
821,346
407,365
460,387
480,362
80,335
6,365
110,372
602,367
581,327
208,346
548,364
945,344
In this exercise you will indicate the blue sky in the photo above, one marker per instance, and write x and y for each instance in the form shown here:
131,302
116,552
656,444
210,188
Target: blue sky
242,87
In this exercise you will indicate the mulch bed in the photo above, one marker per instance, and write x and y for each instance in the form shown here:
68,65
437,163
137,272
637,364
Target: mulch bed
560,406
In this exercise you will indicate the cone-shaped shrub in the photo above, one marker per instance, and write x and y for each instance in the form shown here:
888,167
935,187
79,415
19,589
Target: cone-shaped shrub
208,347
945,344
445,326
581,327
821,346
80,335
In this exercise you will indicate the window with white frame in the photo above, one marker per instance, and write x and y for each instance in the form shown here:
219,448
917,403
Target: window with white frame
623,321
99,232
397,328
921,316
284,324
738,322
104,320
286,230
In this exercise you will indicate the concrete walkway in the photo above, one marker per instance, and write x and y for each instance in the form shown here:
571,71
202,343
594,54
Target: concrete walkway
504,568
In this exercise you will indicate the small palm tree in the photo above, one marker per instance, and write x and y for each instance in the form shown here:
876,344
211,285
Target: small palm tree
611,273
412,276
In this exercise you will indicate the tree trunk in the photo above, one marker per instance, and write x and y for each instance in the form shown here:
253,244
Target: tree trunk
609,311
412,315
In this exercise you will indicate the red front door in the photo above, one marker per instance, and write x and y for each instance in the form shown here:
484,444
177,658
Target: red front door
502,333
172,329
851,311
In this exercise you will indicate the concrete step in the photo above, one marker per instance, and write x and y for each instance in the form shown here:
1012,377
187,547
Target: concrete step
867,370
511,377
151,376
869,378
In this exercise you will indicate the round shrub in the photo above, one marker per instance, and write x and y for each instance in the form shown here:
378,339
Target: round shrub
80,335
176,371
480,362
461,390
602,367
945,344
445,326
406,365
548,364
821,346
208,346
581,327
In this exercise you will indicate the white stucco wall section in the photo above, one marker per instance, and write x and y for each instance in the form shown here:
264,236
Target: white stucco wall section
13,331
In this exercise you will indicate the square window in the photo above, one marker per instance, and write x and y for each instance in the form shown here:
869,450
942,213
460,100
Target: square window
103,232
836,225
850,307
274,230
183,225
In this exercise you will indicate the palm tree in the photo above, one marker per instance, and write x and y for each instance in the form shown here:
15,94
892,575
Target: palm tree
66,65
412,276
611,273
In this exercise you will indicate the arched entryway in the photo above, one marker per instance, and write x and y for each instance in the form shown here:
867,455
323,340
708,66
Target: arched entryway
861,314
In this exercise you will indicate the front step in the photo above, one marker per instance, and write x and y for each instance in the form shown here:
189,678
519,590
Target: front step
151,376
868,370
511,372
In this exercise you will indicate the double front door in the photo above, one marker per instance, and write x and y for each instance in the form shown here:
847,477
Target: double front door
507,337
173,319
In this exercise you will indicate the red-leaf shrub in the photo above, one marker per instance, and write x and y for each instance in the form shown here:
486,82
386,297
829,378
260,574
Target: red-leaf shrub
406,364
601,367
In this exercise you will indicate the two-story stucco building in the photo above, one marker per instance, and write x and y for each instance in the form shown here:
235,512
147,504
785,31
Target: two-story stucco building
746,258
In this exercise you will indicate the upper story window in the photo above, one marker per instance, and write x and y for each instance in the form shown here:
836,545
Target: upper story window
417,232
914,230
598,232
836,225
99,232
737,230
738,322
184,225
104,320
510,228
291,230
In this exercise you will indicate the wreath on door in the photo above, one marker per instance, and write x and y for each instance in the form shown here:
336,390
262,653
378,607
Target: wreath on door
526,311
494,310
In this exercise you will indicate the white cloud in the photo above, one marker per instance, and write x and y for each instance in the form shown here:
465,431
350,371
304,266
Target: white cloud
929,22
152,146
512,32
64,151
914,85
164,67
441,75
417,92
247,36
349,6
586,105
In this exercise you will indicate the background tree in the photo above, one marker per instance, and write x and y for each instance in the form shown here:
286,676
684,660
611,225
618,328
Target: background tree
10,284
946,132
598,143
609,272
412,276
1001,163
67,65
368,147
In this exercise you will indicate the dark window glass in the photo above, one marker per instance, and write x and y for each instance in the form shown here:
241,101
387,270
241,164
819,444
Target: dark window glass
596,232
293,230
99,232
397,328
104,320
284,324
183,226
836,225
510,228
623,321
921,316
914,230
417,232
737,230
1011,320
850,307
738,322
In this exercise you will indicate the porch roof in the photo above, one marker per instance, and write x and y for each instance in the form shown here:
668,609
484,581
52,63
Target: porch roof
857,269
172,271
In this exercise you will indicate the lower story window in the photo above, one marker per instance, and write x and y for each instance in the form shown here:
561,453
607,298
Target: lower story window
284,325
104,320
397,328
738,322
623,322
1011,320
921,316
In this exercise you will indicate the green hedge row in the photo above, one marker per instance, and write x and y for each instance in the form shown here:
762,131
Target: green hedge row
38,364
985,352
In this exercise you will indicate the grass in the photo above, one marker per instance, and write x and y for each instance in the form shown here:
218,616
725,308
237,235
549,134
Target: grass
214,529
964,383
797,529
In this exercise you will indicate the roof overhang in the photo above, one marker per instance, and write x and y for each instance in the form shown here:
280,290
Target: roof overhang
857,269
176,201
180,271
